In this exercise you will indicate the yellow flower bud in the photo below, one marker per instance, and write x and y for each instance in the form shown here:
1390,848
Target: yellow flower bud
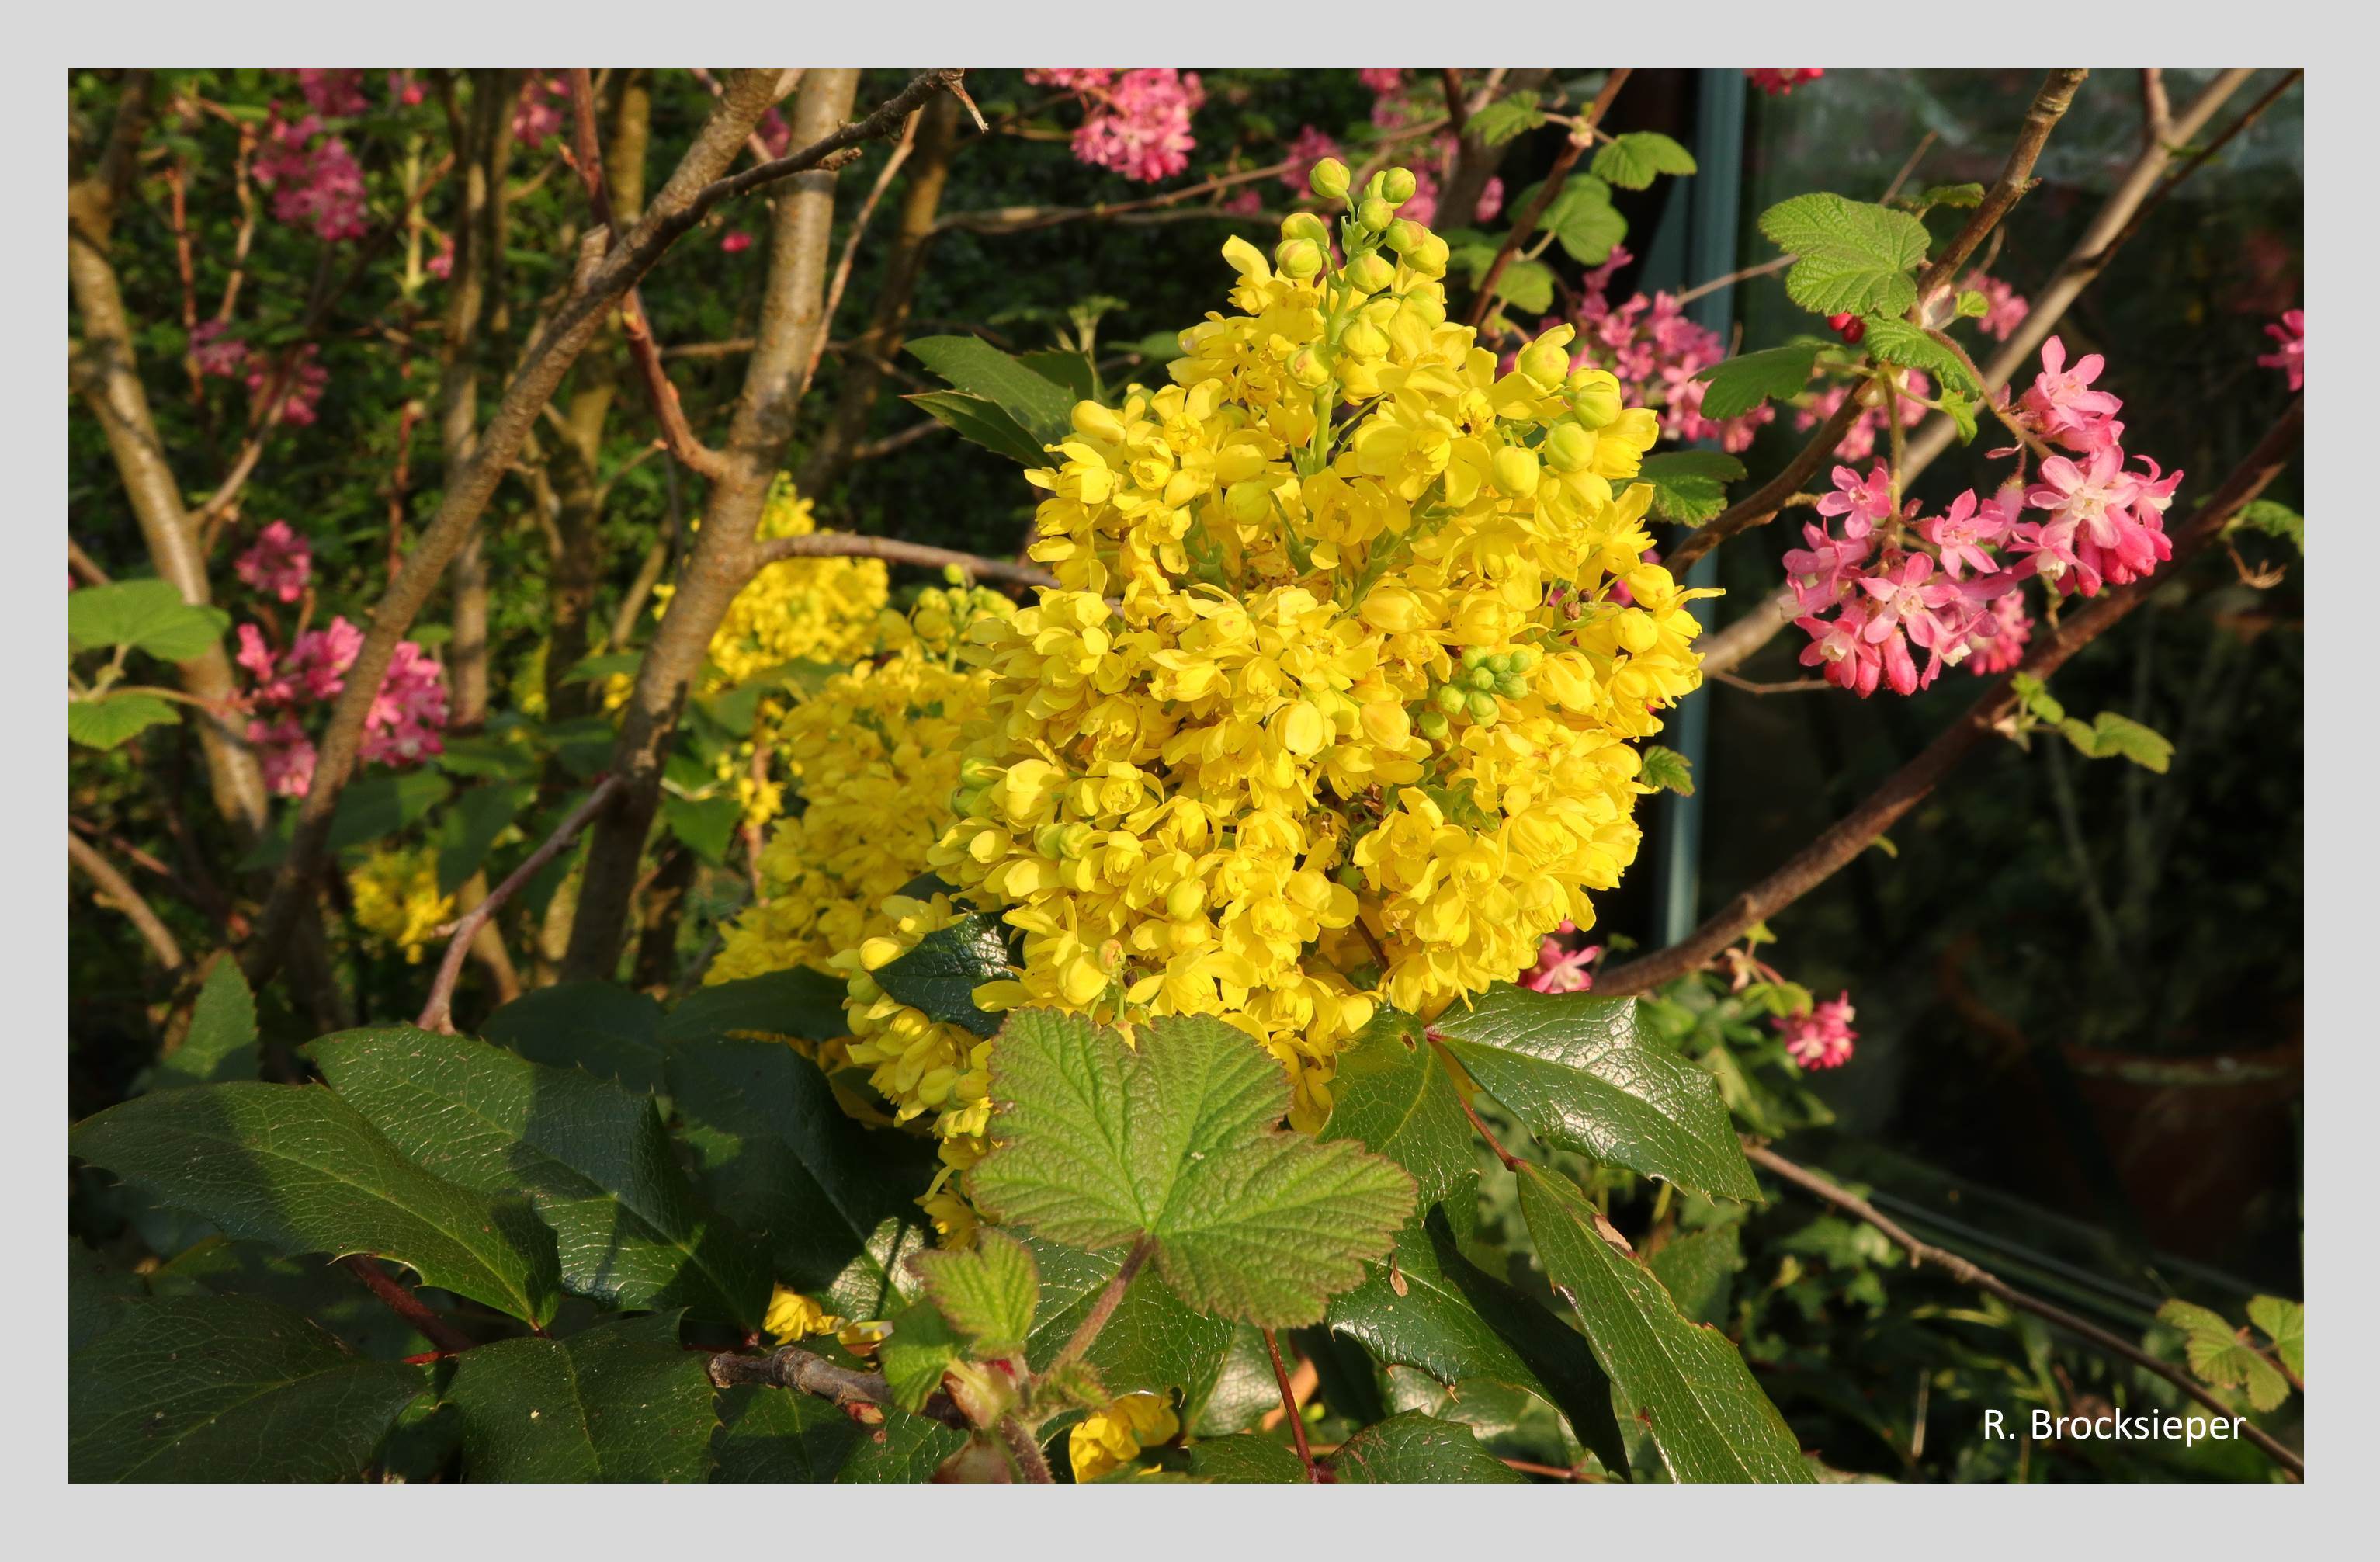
1369,273
1397,186
1375,215
1306,225
1364,339
1405,236
1308,369
1547,361
1568,447
1299,258
1593,396
1516,471
1328,179
1249,502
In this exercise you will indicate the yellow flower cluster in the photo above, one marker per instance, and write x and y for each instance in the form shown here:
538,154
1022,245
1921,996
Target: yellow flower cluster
396,898
796,609
1107,1439
1358,730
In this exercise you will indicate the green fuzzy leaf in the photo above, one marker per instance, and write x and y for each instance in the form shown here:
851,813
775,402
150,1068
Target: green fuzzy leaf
1583,220
1526,285
1972,305
704,825
921,1347
1683,1382
1245,1458
1419,1448
109,720
296,1168
2272,518
1631,161
221,1042
1581,1072
226,1388
2110,735
148,615
938,977
1690,485
1510,115
1042,407
1439,1312
611,1032
1959,195
1853,256
1150,1344
769,1436
980,422
1665,770
988,1292
1393,1097
2284,1323
1101,1143
831,1203
593,1157
2035,698
621,1401
1961,412
1740,384
1897,341
2221,1358
798,1005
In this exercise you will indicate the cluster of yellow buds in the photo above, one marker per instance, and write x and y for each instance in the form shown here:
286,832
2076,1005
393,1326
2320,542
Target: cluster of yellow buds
396,898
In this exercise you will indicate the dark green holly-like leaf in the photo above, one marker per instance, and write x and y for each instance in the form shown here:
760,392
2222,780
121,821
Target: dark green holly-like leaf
1632,160
1690,485
1394,1098
591,1157
1740,384
1099,1144
980,423
1579,1071
703,825
1681,1381
226,1388
773,1435
831,1202
1245,1458
148,615
621,1401
328,1293
472,825
1853,256
221,1041
801,1004
989,1291
113,719
1415,1448
612,1032
938,977
1042,407
1150,1344
296,1168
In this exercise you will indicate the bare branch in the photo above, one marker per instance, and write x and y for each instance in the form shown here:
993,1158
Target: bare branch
116,891
851,544
864,1396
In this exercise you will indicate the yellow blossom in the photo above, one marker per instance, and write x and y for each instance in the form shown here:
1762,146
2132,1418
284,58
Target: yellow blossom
1107,1439
396,898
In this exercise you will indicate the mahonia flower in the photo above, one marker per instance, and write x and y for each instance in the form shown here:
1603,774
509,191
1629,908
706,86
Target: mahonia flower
278,564
1308,147
792,1316
2290,358
317,183
1777,83
1110,1438
1822,1038
396,898
1655,351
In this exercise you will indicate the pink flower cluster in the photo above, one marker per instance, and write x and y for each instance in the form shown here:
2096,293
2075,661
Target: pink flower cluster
335,94
402,726
1135,122
1655,351
222,355
2290,358
1859,440
1560,970
1396,101
1890,580
543,98
314,178
278,564
2004,307
1775,83
1822,1038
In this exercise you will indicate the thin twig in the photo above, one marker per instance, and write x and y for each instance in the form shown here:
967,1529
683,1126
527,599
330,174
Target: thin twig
116,891
1104,1308
1525,220
1289,1404
842,276
863,1396
406,1305
437,1014
850,544
1968,1272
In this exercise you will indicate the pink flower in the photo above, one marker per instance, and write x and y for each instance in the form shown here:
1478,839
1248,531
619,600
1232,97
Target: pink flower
1135,122
1308,147
1842,651
218,353
320,660
286,755
278,564
318,184
1655,350
255,658
1959,534
1382,82
774,133
1863,502
1243,201
539,113
2290,358
1560,971
2004,307
1822,1038
2061,404
1998,641
301,388
408,712
1859,440
403,91
1827,569
1775,83
442,264
736,242
336,94
1906,597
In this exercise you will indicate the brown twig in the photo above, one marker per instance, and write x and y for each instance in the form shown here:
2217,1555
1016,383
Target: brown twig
858,231
1526,221
864,1396
116,891
1844,840
1970,1274
406,1305
1289,1406
893,550
437,1014
86,565
1111,1295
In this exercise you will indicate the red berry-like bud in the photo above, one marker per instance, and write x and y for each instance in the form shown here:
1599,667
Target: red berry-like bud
1851,330
1837,322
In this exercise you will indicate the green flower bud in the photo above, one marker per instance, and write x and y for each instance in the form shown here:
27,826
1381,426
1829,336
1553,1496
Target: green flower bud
1482,677
1397,186
1375,215
1593,396
978,773
1403,236
1568,447
1473,656
1451,699
1249,502
1433,724
1513,686
1499,666
1306,225
1299,258
1328,179
1483,706
1525,658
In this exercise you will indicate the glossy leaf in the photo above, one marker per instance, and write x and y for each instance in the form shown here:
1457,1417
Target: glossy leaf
938,977
1681,1381
1395,1098
612,1032
591,1157
768,1435
801,1004
1578,1071
221,1041
1042,407
1246,1458
1896,341
1099,1143
621,1401
296,1168
1415,1448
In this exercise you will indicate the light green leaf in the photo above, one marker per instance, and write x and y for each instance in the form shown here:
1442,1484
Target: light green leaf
145,614
1419,1448
938,977
1972,305
1690,485
1853,256
1583,220
1099,1143
922,1347
296,1168
1740,384
2284,1323
1632,160
1959,195
2221,1358
1042,407
1150,1344
221,1041
1683,1381
111,719
2271,517
1581,1072
1897,341
1961,413
226,1388
1508,116
621,1401
593,1157
2122,738
989,1291
1666,770
2034,697
1526,285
